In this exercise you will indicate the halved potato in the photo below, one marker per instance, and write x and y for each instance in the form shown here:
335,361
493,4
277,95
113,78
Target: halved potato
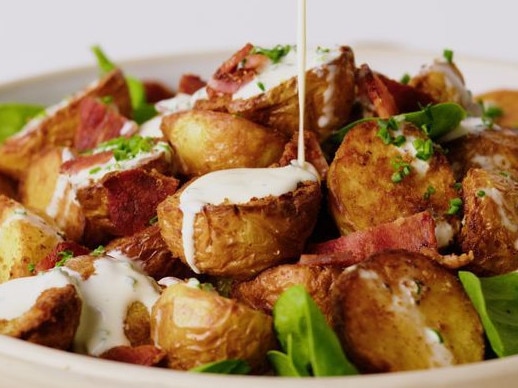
196,326
507,101
59,124
240,240
205,141
25,239
401,311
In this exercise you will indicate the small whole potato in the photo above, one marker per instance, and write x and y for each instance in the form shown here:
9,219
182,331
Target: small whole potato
401,311
205,141
195,326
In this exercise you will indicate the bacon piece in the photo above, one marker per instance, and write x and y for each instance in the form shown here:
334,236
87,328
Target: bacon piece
374,90
406,97
415,233
230,76
190,83
54,256
147,355
156,91
84,162
99,122
313,154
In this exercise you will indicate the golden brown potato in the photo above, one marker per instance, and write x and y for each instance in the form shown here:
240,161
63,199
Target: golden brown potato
58,125
25,239
205,141
490,225
368,185
329,98
262,292
149,250
51,321
240,240
490,149
402,311
196,326
44,189
507,101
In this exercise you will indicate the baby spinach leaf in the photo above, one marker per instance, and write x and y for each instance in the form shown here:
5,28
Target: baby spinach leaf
436,120
13,117
496,301
142,111
310,347
228,367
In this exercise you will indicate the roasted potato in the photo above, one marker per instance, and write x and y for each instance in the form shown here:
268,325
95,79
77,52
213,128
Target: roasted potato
52,310
490,149
196,326
240,240
490,225
205,141
371,182
506,101
149,250
58,125
401,311
329,98
262,292
25,239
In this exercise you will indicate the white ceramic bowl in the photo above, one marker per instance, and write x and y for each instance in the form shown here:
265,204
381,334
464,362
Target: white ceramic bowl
23,364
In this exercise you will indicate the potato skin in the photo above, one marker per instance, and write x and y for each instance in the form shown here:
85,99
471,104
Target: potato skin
52,321
360,179
262,292
278,107
195,326
490,221
505,99
240,240
402,311
205,141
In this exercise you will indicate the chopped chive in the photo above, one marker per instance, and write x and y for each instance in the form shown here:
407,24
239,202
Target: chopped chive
455,205
405,79
428,193
98,251
65,256
261,86
448,55
94,170
481,193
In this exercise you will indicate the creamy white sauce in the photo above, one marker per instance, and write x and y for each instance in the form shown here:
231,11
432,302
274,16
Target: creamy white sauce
17,296
408,149
498,199
443,233
61,189
469,125
107,294
489,162
128,128
22,215
275,74
151,128
181,102
328,107
236,186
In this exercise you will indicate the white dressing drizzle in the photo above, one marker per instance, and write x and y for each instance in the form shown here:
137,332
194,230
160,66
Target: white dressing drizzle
498,199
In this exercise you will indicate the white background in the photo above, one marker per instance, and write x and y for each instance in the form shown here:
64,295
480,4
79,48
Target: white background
42,35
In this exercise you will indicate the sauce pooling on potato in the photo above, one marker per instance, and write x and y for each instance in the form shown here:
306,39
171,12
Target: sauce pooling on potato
236,186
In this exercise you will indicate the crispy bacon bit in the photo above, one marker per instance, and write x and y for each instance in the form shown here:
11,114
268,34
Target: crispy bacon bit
156,91
372,88
190,83
415,233
55,255
84,162
99,122
147,355
314,154
406,97
235,72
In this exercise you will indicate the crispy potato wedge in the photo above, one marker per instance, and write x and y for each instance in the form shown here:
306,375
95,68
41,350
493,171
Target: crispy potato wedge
490,225
262,292
402,311
362,176
329,99
240,240
25,239
196,326
507,101
53,318
205,141
58,126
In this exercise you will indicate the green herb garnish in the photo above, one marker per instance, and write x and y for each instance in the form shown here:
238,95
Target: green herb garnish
455,205
424,149
261,86
405,79
98,251
31,267
448,55
64,257
13,117
125,148
402,168
153,220
275,54
94,170
481,193
428,193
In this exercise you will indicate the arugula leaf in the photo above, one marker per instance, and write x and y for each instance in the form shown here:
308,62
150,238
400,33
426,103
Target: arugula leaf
13,117
142,111
311,347
436,120
229,367
496,301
